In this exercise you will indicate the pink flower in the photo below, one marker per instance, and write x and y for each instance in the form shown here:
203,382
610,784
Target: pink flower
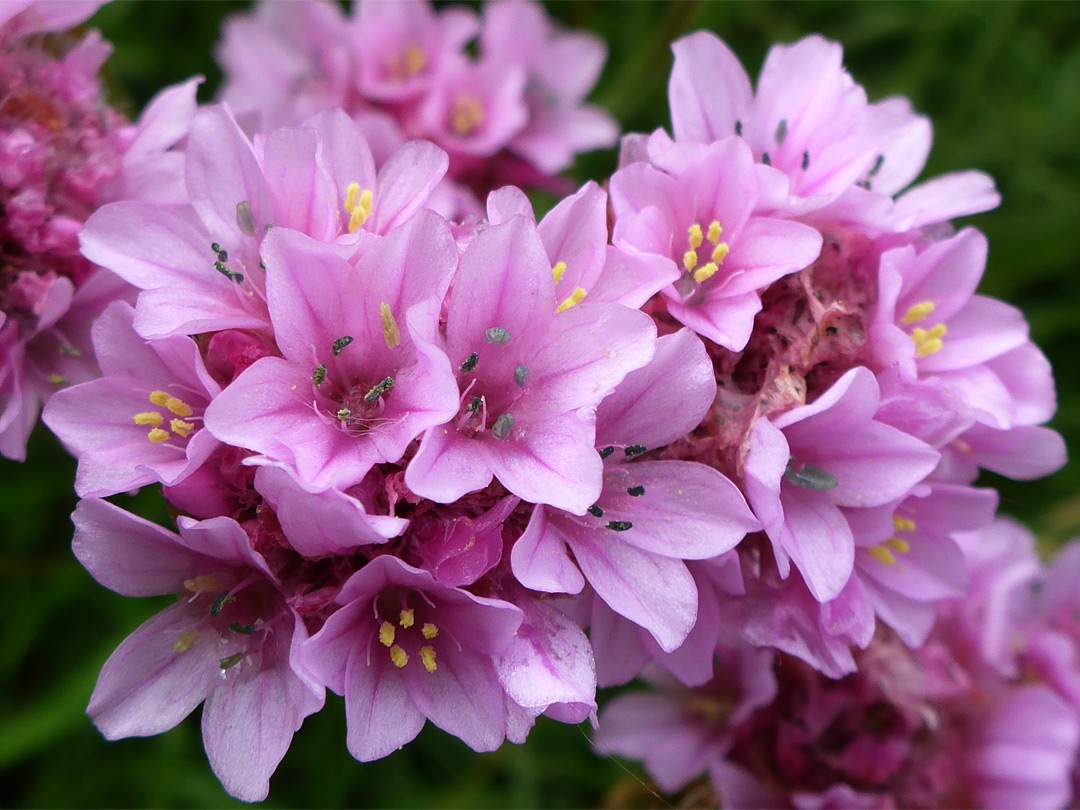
529,377
361,375
562,67
141,422
703,220
404,649
575,236
229,641
798,476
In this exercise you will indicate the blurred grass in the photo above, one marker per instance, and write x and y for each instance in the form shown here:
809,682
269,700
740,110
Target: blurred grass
1000,82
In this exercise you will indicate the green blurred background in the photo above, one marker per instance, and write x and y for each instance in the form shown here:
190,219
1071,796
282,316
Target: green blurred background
1001,82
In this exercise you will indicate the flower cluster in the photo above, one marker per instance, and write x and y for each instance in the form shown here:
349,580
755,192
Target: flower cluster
63,152
513,114
985,714
725,413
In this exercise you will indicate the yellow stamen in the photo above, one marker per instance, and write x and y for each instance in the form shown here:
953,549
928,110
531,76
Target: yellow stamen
429,630
186,639
928,342
151,418
917,312
467,115
720,252
407,618
575,298
390,332
157,435
689,260
898,545
706,272
159,398
408,62
398,656
882,555
386,634
928,348
714,231
204,582
902,524
182,429
694,232
352,191
177,406
362,211
427,655
558,271
58,379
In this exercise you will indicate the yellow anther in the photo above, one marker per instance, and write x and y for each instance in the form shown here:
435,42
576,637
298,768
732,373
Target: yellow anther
204,582
356,220
386,634
58,379
558,271
390,332
573,300
694,232
178,406
917,312
427,656
352,191
928,342
928,348
902,524
882,555
706,272
429,630
408,62
181,428
720,252
467,115
714,231
151,418
898,545
407,618
362,211
159,398
186,639
398,656
157,435
689,260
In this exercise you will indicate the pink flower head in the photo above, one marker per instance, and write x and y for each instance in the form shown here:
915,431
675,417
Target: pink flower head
650,515
401,70
229,642
404,649
562,67
402,46
798,476
63,152
360,376
703,220
199,266
529,376
141,422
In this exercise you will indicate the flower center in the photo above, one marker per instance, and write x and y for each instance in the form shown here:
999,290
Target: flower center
466,114
392,637
155,420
